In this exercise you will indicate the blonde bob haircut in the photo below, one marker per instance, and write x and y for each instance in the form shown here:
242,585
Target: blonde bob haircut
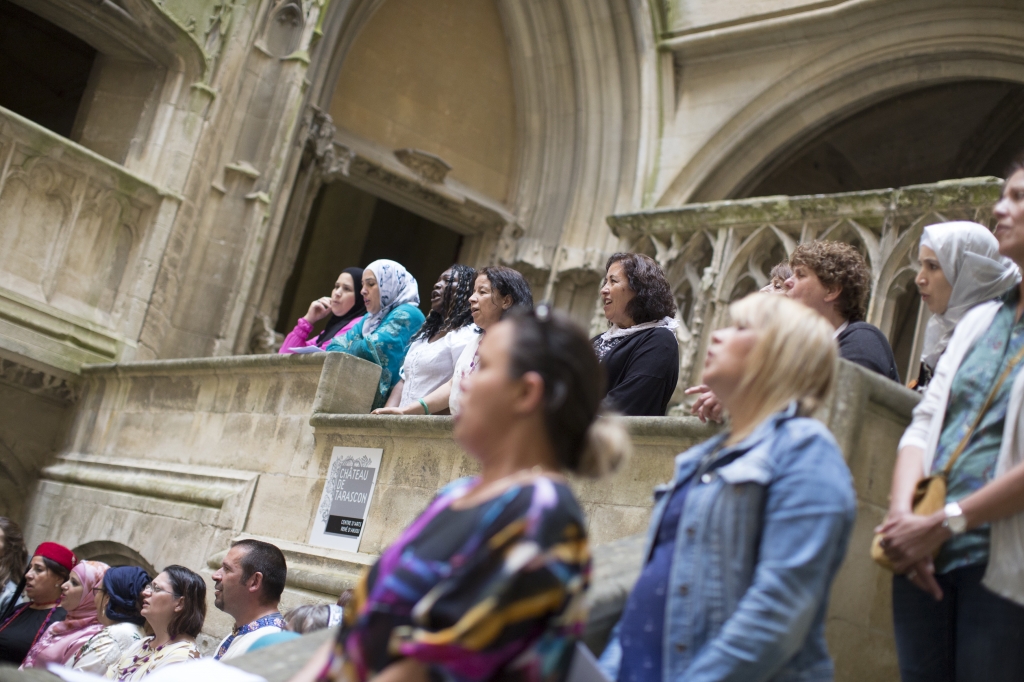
794,357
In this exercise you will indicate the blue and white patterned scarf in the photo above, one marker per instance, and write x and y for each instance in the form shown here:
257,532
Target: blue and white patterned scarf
397,286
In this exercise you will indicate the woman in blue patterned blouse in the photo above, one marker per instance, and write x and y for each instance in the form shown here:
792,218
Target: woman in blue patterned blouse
392,319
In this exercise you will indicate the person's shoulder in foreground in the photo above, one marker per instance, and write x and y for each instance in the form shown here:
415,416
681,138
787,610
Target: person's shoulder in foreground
864,344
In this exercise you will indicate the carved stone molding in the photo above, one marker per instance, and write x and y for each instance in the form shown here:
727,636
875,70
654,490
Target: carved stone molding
59,389
430,167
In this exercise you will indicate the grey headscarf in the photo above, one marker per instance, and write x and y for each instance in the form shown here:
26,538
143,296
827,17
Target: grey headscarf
969,256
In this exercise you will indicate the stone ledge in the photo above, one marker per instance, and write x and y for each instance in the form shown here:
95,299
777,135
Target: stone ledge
643,430
198,485
232,364
691,218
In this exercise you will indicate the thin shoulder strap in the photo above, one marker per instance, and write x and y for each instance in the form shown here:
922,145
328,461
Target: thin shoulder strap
1014,361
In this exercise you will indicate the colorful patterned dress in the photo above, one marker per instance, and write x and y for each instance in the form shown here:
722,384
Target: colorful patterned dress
492,592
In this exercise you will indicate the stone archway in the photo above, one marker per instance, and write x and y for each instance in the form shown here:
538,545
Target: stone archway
880,60
114,554
579,73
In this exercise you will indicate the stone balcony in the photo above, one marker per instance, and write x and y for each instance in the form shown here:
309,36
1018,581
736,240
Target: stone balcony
81,239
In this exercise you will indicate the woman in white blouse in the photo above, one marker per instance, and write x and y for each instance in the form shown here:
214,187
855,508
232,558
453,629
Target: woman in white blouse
497,290
436,348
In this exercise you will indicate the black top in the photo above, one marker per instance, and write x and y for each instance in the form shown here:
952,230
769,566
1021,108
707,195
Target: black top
865,345
17,635
642,373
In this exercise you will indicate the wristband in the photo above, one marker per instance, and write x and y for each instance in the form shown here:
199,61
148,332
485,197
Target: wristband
426,410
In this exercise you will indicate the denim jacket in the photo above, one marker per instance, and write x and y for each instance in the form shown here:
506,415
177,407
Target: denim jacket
763,531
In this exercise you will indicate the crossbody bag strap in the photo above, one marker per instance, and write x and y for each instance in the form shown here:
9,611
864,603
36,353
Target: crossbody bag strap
1014,361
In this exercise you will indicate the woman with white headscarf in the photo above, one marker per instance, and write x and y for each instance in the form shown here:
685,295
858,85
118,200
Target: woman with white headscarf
392,319
960,268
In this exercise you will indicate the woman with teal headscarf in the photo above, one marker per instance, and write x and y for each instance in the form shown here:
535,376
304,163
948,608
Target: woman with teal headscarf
392,319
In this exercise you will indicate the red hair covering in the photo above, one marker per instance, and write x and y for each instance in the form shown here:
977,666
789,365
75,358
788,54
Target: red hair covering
59,553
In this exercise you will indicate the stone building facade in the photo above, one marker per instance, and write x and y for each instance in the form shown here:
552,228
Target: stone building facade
179,178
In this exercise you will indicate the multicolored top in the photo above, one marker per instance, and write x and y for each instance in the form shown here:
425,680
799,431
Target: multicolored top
973,381
492,592
144,658
386,345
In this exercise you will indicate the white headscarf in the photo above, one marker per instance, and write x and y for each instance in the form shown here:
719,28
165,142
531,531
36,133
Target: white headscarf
969,256
397,286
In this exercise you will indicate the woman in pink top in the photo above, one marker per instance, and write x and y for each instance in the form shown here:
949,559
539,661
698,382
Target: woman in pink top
63,639
344,307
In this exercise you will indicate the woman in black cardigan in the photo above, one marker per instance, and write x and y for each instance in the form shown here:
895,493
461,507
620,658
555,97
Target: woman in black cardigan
639,351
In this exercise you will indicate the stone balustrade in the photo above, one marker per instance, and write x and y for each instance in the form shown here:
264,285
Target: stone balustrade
716,252
81,239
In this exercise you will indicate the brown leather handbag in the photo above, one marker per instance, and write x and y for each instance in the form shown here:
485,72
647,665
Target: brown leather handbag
930,494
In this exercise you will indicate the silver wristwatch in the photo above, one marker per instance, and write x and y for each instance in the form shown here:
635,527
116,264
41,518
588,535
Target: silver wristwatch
955,521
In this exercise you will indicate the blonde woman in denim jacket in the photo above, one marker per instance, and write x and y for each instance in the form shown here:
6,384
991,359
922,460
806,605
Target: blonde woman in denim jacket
745,542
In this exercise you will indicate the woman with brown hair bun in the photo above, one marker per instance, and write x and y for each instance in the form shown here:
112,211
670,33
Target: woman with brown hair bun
174,606
639,351
488,583
13,557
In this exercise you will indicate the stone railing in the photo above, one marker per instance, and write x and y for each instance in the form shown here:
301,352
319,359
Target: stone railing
80,242
716,252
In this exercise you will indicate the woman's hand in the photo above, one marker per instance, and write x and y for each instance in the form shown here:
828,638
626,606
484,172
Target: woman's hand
318,310
395,410
909,538
707,407
922,574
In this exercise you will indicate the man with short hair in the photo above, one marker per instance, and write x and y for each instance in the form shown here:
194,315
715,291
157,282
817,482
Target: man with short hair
832,279
248,587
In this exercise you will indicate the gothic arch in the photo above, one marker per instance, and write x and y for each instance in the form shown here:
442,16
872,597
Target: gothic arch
888,61
746,269
580,71
113,554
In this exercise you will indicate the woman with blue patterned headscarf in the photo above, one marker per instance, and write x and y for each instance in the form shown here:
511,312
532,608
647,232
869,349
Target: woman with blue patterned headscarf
392,318
117,607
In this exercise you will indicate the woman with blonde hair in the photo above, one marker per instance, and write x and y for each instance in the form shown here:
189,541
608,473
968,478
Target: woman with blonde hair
744,543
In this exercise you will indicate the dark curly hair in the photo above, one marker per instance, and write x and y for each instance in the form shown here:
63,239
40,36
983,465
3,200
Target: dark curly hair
838,265
454,304
509,282
646,279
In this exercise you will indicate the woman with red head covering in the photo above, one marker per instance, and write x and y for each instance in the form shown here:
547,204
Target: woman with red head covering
62,640
42,583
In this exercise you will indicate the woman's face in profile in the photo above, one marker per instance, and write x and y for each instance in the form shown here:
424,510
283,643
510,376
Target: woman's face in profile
485,304
344,295
72,589
437,293
727,359
1009,214
370,292
616,295
932,283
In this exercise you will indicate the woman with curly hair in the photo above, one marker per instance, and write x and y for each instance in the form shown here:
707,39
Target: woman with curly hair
639,351
437,346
